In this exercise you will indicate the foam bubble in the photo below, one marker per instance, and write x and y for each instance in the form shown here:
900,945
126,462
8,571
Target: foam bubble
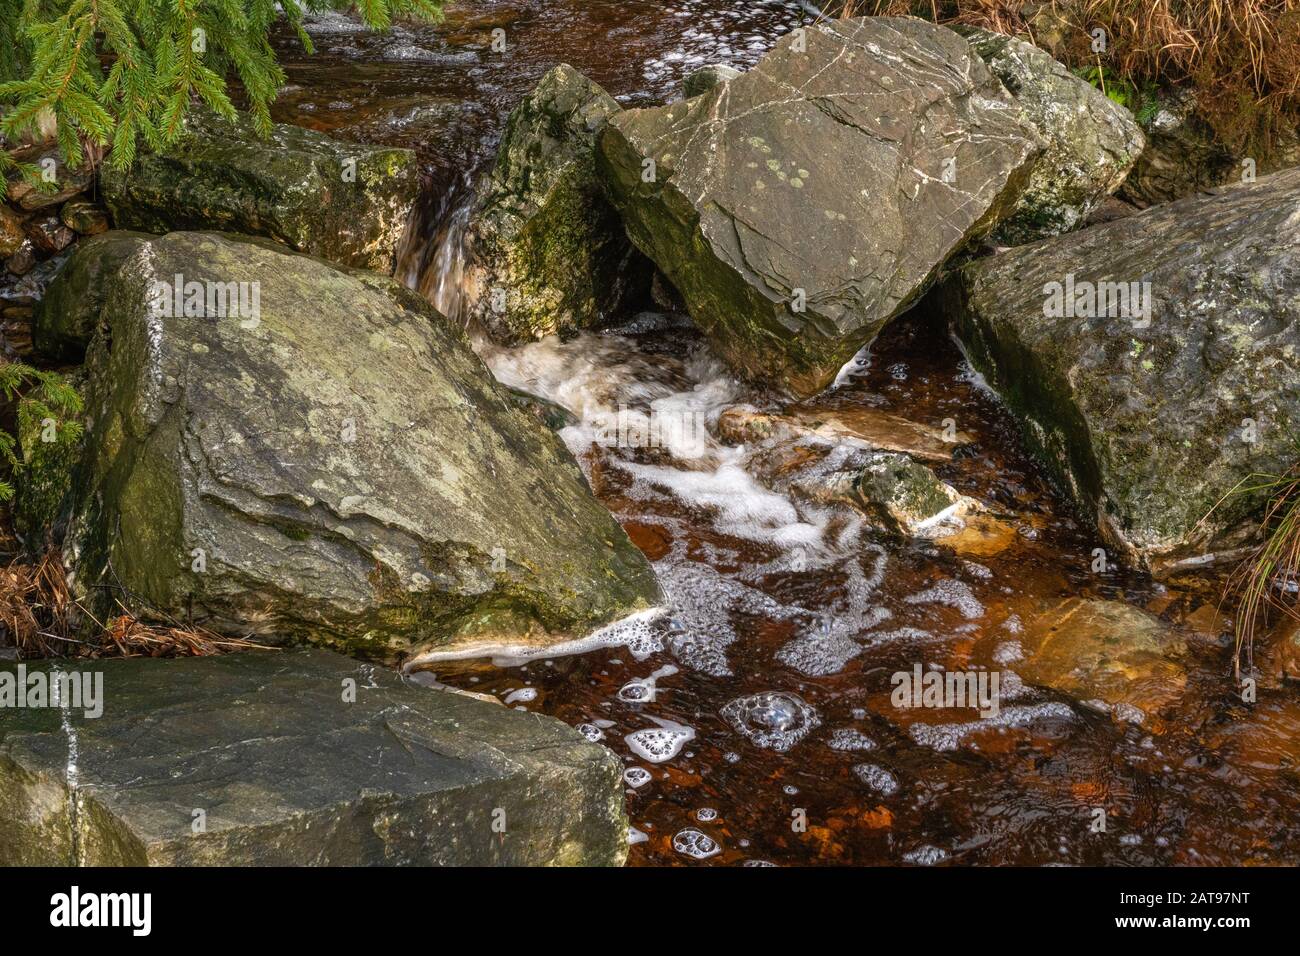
658,744
636,777
877,778
850,738
773,720
695,844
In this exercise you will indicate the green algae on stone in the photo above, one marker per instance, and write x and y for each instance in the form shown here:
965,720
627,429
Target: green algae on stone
343,470
547,251
345,202
1152,423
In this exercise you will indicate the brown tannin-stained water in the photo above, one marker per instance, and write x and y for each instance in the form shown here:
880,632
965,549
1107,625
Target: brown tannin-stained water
755,719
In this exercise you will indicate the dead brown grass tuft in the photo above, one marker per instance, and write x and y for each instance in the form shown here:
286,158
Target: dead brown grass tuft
39,616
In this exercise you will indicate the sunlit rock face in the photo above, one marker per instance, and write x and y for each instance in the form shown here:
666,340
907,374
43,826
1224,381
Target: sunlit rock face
800,206
1151,361
335,465
1092,141
289,771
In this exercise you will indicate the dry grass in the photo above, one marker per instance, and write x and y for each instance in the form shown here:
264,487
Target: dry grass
39,616
1240,57
1264,581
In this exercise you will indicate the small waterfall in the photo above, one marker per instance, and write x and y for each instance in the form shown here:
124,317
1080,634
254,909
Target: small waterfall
434,256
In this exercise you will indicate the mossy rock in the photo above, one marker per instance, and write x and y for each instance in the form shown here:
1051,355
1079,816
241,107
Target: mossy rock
338,468
547,251
1153,422
345,202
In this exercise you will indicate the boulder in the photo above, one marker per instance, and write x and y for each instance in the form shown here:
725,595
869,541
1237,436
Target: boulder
1151,361
706,78
861,425
60,182
12,232
345,202
328,463
802,205
294,759
1092,141
547,252
68,313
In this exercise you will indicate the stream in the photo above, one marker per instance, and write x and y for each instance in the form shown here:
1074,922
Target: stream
755,719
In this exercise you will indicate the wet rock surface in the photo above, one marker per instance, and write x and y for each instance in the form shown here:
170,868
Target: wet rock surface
1152,421
357,480
286,770
345,202
789,258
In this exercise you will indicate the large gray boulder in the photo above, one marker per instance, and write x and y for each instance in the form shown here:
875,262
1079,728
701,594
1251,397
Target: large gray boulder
336,466
803,204
294,759
1092,141
1152,417
547,252
345,202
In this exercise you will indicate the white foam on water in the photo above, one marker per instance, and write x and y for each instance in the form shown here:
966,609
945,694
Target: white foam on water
948,737
662,743
635,836
695,844
1008,652
636,777
952,593
926,855
522,695
850,738
877,778
636,632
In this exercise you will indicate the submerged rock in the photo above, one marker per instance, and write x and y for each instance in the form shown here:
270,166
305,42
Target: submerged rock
800,206
1151,360
294,759
345,202
334,466
1105,652
1092,141
834,458
863,426
547,251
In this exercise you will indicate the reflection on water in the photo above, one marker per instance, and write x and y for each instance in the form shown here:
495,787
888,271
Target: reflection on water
755,720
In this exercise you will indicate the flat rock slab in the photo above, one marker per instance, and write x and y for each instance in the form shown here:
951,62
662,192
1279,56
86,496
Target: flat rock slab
282,770
800,206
